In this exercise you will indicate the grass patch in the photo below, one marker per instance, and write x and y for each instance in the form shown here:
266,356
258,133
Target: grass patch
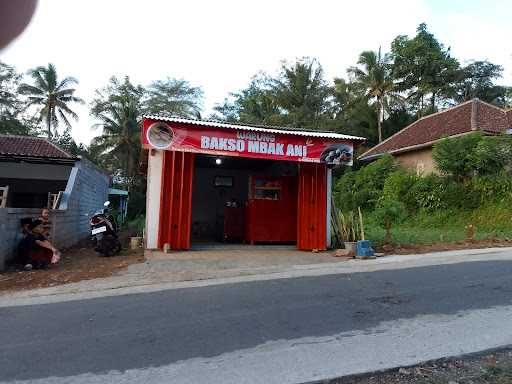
491,221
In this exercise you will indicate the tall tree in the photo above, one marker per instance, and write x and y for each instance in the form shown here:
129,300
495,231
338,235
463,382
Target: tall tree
298,95
51,96
173,97
373,78
9,80
12,119
66,142
476,80
256,104
423,68
117,108
302,92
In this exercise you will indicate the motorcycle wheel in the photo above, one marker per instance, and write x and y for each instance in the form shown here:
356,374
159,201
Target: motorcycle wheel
118,247
105,249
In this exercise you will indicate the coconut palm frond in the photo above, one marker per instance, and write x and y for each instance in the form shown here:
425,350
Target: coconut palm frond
51,96
64,119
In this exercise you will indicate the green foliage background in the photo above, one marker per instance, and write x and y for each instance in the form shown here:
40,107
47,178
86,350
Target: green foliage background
380,94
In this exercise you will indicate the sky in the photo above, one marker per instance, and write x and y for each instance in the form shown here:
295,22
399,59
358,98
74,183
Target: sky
219,45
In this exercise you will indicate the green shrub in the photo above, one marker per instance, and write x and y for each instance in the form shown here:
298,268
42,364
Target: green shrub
397,186
364,187
428,193
389,213
137,224
491,155
474,154
492,189
454,156
459,196
343,194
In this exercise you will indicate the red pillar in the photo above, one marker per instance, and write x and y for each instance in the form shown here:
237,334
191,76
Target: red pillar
176,200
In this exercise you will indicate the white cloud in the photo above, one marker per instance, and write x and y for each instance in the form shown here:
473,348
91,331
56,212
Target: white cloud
218,45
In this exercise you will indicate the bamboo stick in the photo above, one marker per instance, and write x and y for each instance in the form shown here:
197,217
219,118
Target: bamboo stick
361,225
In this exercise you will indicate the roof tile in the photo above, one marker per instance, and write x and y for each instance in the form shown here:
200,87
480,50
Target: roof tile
491,118
31,147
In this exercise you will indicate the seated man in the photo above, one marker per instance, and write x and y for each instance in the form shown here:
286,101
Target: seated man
42,252
25,244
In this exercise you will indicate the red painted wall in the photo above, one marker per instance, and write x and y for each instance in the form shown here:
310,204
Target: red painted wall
274,220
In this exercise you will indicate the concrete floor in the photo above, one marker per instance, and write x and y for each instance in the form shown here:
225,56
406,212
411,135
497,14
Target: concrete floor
215,261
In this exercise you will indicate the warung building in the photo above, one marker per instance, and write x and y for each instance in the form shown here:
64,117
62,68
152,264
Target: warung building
214,182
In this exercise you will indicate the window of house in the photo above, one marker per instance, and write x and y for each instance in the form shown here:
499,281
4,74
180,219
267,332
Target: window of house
420,168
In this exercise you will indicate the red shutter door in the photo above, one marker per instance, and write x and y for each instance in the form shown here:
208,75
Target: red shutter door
312,207
176,200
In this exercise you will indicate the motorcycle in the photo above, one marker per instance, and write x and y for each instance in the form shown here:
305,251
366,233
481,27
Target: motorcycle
104,232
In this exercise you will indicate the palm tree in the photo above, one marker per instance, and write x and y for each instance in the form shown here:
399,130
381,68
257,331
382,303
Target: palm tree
8,78
120,139
51,96
173,97
373,78
302,92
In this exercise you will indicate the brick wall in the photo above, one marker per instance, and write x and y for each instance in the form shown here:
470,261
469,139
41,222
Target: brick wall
10,233
86,191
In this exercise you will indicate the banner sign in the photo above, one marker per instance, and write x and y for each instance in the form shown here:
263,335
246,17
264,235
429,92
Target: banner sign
245,143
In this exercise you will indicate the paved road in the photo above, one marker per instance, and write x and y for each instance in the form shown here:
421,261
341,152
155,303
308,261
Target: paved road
282,331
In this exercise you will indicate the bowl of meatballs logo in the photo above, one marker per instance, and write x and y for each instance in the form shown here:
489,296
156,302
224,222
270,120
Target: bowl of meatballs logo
337,154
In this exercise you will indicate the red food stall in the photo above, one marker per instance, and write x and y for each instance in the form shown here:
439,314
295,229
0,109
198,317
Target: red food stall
212,181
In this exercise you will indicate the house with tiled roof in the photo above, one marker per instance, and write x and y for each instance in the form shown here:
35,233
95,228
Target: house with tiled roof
36,173
12,146
412,146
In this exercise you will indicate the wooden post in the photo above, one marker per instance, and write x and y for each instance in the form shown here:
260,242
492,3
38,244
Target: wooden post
361,223
4,192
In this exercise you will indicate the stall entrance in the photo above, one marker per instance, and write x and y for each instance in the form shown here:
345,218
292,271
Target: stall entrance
238,200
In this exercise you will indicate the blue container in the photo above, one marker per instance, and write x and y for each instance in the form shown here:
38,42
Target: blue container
364,249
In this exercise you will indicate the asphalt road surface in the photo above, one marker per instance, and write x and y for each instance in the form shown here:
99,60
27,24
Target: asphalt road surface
282,331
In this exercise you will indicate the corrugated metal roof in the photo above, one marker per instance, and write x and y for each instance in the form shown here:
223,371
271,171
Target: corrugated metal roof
257,128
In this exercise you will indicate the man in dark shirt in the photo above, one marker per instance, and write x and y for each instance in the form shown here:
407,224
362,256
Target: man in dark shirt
25,244
36,250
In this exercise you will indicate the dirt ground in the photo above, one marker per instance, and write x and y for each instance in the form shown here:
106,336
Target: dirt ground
77,264
486,368
407,249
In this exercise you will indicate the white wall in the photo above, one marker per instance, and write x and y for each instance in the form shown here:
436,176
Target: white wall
154,181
